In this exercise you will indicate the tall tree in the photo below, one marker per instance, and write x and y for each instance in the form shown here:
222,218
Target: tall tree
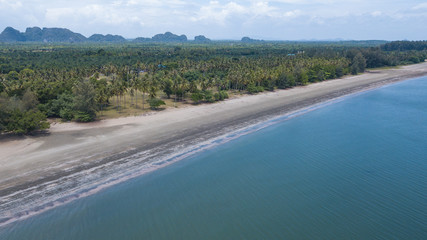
84,101
358,64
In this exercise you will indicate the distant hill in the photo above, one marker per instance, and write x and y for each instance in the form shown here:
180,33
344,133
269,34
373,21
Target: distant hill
10,34
163,37
250,40
106,38
169,37
61,35
36,34
201,39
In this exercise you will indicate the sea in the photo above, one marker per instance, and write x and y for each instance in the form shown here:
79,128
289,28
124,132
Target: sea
352,168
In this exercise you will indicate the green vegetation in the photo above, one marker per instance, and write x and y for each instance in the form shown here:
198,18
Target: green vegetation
155,103
20,115
86,81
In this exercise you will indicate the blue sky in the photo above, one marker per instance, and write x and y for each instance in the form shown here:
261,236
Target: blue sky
224,19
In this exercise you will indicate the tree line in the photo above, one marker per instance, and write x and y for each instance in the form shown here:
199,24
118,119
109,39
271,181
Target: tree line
76,82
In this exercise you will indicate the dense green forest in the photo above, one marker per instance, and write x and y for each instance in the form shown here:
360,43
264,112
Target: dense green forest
80,81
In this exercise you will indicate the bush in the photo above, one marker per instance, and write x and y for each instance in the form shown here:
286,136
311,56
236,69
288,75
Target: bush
220,96
208,96
81,116
252,89
26,121
197,97
285,80
223,95
155,103
268,84
66,114
217,97
61,107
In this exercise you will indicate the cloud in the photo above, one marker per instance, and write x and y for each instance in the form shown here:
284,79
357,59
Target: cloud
420,6
311,2
217,12
119,17
292,14
224,13
55,14
10,4
376,13
274,19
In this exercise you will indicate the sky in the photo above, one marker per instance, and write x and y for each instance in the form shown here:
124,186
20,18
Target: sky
225,19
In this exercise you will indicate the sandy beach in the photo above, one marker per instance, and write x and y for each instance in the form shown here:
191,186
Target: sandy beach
69,148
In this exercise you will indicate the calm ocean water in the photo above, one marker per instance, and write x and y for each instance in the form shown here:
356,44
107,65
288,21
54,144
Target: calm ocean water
356,169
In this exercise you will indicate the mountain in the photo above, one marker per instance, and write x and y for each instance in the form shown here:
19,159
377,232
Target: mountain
169,37
106,38
61,35
250,40
201,39
36,34
10,34
166,37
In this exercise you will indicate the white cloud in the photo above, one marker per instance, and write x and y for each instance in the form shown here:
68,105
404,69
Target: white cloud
420,6
311,2
376,13
219,18
264,9
118,14
292,14
10,4
149,3
217,12
221,13
55,14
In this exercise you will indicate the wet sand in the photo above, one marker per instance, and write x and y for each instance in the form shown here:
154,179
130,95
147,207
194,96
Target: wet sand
69,148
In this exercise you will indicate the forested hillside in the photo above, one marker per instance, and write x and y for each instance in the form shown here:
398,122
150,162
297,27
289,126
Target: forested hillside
64,35
79,81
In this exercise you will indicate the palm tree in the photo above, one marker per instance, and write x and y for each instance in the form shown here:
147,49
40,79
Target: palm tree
176,83
144,86
134,82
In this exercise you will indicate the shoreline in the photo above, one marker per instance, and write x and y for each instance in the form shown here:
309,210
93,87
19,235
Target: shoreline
71,148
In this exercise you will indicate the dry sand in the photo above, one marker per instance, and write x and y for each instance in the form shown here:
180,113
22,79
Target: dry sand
71,147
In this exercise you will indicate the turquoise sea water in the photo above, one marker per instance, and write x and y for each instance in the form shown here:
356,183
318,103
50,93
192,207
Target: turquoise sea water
356,169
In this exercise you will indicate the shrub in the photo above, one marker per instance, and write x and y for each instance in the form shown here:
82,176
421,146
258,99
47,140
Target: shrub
223,95
252,89
26,121
84,116
197,97
155,103
209,97
217,96
66,114
220,96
